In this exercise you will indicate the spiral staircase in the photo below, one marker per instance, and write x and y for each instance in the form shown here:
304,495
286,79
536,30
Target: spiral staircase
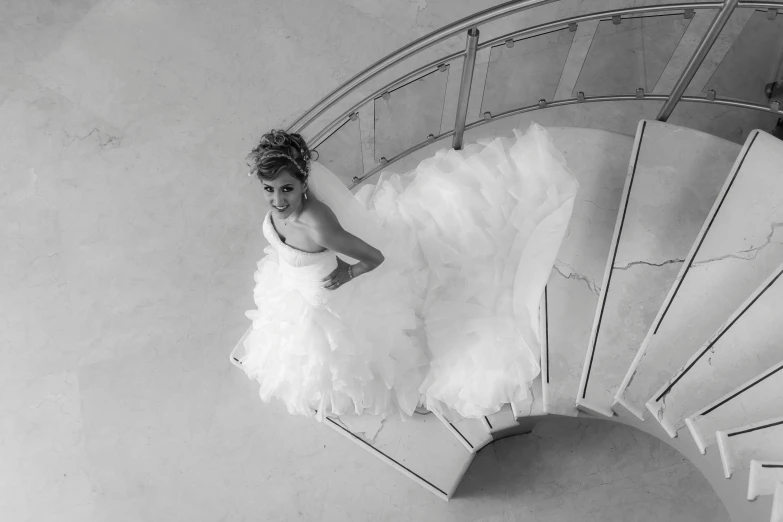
663,309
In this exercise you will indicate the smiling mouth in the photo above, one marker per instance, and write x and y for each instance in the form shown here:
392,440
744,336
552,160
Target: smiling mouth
280,209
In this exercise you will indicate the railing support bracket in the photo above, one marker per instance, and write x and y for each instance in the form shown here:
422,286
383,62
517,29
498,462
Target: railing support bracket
616,19
354,116
580,97
711,94
639,93
689,13
386,95
572,27
510,43
774,106
487,116
542,103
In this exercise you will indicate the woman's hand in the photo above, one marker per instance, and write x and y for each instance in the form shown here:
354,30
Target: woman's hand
338,277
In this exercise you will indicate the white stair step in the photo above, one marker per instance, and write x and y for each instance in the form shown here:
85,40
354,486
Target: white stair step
777,504
757,441
764,477
502,420
665,199
747,344
599,161
425,448
534,405
738,247
471,433
753,401
421,448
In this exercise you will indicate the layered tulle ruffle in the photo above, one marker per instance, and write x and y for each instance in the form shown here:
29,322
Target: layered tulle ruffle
489,221
470,238
353,354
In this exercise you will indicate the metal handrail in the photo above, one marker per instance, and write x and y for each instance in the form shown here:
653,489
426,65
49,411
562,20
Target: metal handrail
697,58
464,86
570,101
474,20
316,140
544,27
565,22
725,8
425,42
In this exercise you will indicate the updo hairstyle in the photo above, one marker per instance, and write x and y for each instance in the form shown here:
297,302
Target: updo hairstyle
277,151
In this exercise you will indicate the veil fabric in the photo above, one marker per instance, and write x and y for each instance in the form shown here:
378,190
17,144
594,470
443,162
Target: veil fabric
352,215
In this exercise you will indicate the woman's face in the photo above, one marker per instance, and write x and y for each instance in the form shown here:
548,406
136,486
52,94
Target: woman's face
284,194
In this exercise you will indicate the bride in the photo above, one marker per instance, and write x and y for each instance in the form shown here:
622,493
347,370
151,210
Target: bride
422,289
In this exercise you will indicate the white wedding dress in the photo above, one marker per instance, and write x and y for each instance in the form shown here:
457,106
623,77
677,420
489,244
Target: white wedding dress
450,319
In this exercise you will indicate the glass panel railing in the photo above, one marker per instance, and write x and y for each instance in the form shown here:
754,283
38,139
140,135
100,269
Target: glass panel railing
407,115
617,54
630,53
341,152
660,37
752,62
522,72
745,58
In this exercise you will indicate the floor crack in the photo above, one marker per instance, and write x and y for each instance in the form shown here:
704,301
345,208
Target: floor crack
648,263
577,277
745,255
104,139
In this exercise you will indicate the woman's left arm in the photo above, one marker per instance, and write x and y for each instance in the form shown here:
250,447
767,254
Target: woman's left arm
327,232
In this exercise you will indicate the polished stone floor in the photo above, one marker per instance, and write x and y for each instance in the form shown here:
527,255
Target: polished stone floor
129,236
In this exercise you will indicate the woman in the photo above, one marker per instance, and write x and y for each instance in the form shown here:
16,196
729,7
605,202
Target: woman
322,345
459,251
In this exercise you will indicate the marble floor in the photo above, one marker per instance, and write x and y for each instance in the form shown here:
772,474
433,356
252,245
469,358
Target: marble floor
179,436
129,236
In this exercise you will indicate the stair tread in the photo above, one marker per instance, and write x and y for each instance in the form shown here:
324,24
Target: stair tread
756,441
470,432
777,504
764,477
502,419
651,232
421,447
534,405
753,400
599,161
738,247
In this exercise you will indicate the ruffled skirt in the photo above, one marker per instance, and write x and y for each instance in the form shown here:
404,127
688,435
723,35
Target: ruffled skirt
489,221
451,318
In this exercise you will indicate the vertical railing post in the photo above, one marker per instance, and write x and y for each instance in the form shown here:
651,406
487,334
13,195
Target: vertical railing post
698,58
464,87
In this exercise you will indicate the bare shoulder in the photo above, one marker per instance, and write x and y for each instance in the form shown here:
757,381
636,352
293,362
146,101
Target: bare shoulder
316,213
318,217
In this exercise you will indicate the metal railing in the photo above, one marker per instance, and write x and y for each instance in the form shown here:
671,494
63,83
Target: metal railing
425,42
472,23
698,57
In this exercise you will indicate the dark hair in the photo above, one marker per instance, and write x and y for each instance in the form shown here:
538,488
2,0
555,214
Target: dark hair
279,150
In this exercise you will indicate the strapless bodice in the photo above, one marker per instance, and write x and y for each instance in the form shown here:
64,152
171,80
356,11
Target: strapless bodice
302,270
